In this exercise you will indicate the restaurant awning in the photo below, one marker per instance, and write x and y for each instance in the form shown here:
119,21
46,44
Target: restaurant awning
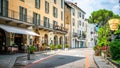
17,30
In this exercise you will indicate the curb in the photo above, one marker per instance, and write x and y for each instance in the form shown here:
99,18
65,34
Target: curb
112,63
11,65
40,52
95,61
40,60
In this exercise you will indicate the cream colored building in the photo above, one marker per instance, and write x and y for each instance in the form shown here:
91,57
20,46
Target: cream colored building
31,22
77,26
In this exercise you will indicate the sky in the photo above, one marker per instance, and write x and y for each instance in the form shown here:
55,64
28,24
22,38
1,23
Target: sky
92,5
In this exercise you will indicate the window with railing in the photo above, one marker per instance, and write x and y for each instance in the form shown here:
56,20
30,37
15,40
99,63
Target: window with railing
46,22
61,27
36,19
46,7
55,23
37,4
23,14
55,12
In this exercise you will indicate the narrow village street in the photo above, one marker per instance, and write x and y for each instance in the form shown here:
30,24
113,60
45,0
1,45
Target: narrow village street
74,58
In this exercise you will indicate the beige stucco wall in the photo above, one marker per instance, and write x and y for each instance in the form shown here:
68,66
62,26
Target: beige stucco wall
13,5
67,20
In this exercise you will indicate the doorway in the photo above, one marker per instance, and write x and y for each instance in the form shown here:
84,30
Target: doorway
18,40
3,47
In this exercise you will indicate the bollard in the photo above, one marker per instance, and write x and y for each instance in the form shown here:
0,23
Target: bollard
28,56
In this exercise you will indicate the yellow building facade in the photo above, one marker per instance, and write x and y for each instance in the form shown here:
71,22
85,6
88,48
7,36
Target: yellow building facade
67,20
37,22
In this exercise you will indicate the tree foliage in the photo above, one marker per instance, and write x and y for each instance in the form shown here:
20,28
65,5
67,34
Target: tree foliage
101,15
103,35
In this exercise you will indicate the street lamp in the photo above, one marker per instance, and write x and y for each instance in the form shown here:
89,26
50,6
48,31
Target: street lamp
113,23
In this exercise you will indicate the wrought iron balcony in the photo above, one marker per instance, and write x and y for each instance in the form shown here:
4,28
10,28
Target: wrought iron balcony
81,37
60,28
75,34
12,16
43,25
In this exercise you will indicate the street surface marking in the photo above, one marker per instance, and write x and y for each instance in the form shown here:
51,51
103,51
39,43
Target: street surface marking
87,65
40,60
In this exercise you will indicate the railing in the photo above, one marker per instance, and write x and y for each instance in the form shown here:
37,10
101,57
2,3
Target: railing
75,34
60,28
8,13
81,37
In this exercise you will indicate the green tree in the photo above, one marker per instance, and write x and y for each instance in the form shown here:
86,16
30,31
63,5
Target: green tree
103,34
101,16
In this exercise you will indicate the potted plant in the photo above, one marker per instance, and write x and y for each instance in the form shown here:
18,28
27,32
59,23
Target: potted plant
44,46
67,46
59,46
52,47
31,49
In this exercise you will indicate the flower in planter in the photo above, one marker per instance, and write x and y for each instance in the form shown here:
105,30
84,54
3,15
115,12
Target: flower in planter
104,47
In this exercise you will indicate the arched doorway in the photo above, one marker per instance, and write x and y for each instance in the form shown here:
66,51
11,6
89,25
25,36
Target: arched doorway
3,47
55,40
61,40
36,42
18,40
46,39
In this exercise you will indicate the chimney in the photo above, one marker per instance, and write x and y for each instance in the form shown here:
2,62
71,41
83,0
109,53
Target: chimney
75,3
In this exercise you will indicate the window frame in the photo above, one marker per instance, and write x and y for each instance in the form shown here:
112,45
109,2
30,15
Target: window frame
55,12
62,4
55,1
22,14
37,4
46,7
62,15
36,18
46,22
73,22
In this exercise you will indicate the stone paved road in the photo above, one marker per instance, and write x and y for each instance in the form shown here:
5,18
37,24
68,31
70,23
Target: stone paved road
74,58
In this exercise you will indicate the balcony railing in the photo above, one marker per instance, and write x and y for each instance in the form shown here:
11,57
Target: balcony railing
81,37
9,14
60,28
75,34
43,25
